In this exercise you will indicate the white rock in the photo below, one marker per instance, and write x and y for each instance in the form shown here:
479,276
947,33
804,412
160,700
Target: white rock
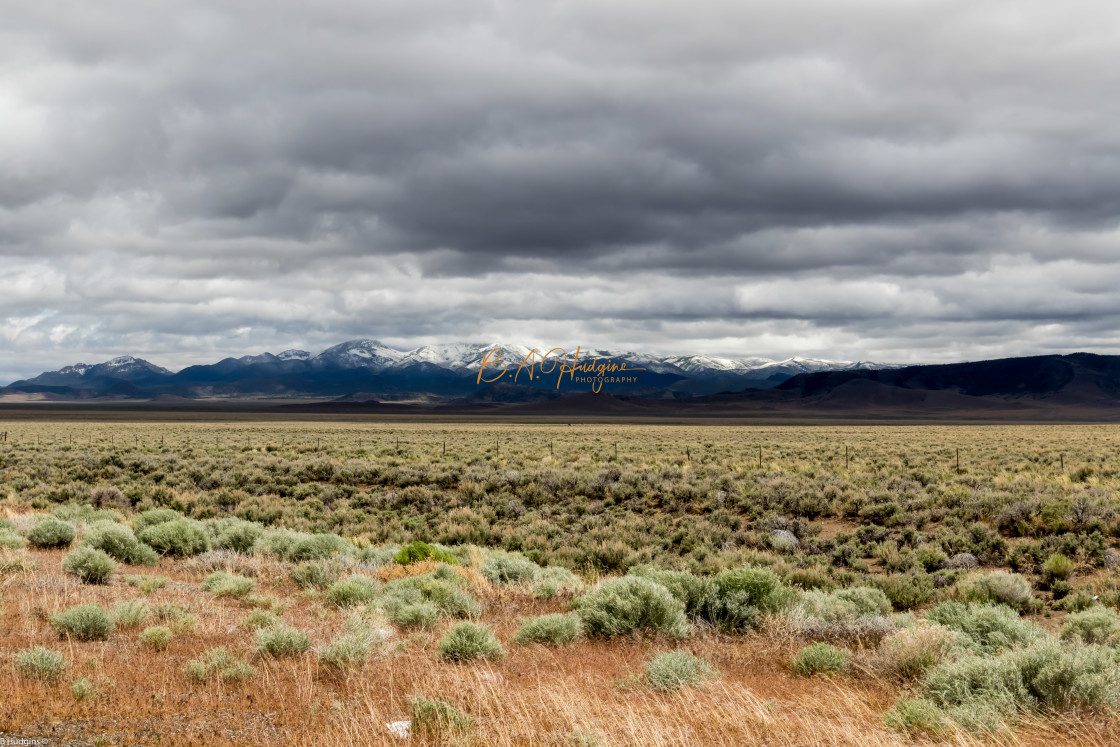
399,729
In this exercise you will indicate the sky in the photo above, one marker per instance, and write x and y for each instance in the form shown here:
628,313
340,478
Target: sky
891,180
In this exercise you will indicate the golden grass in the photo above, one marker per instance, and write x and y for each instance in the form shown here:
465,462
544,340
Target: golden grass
536,696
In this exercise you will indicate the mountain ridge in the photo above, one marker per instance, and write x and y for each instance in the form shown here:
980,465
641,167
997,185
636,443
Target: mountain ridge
447,370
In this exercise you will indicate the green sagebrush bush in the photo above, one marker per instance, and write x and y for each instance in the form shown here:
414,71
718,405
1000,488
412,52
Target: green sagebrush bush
152,517
351,591
157,637
906,590
178,537
632,604
51,533
435,718
986,628
356,644
819,657
509,568
241,537
734,599
119,542
1009,589
416,551
375,557
555,628
281,640
258,619
911,652
146,584
299,547
317,574
82,689
468,641
673,670
218,663
222,584
692,591
913,716
554,581
129,613
86,622
844,604
444,594
41,663
981,692
90,565
10,540
740,596
1094,625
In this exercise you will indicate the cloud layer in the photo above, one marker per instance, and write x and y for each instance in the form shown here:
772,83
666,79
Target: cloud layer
905,181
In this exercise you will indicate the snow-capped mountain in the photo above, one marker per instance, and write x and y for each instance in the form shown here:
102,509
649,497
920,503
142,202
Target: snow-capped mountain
122,368
462,356
449,369
358,354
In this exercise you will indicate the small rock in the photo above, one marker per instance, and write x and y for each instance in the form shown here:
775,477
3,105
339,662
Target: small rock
400,729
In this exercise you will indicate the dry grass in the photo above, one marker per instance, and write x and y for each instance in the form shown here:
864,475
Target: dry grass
536,696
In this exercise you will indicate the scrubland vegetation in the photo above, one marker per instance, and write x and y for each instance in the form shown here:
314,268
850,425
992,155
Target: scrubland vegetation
584,585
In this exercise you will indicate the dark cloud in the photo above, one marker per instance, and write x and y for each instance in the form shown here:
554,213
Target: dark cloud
869,179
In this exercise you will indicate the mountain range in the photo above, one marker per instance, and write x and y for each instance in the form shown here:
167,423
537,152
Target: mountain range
367,377
366,370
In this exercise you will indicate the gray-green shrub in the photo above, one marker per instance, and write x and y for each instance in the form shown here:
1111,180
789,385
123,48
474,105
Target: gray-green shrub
555,628
317,574
1094,625
51,533
221,664
986,628
90,565
222,584
819,657
1009,589
41,663
509,568
281,640
119,542
632,604
179,537
129,613
672,670
911,652
10,540
153,517
436,718
555,580
352,591
86,622
157,637
978,691
468,641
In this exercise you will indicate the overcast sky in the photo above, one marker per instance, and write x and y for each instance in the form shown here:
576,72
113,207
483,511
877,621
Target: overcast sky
898,180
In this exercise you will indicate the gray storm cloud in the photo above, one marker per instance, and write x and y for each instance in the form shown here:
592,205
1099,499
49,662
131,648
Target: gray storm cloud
905,181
